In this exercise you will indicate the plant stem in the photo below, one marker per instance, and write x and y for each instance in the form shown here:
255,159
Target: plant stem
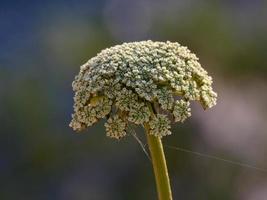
159,166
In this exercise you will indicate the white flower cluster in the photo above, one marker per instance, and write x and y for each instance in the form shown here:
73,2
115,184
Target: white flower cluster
160,125
115,127
139,113
137,82
181,110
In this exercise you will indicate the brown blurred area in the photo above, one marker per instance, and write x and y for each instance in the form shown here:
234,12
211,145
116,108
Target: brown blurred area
44,43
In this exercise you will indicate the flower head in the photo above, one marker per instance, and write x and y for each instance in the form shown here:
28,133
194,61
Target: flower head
140,82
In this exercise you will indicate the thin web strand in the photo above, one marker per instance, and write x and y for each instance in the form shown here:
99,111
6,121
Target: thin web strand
217,158
142,145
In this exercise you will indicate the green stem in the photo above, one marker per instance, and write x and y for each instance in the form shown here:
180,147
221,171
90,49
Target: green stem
159,166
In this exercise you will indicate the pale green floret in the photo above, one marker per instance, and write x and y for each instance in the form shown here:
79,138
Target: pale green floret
160,125
115,127
76,124
139,113
138,81
91,113
111,89
83,117
165,98
103,107
208,97
125,99
181,110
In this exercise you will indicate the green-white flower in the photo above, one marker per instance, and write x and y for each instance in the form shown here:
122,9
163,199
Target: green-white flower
115,127
160,125
139,83
181,110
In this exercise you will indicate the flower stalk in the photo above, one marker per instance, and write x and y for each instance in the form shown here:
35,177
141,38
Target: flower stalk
159,166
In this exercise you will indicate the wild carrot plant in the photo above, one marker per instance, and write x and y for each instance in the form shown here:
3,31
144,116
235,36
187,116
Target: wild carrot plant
144,83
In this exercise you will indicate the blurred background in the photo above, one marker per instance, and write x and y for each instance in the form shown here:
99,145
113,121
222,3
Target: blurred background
43,43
